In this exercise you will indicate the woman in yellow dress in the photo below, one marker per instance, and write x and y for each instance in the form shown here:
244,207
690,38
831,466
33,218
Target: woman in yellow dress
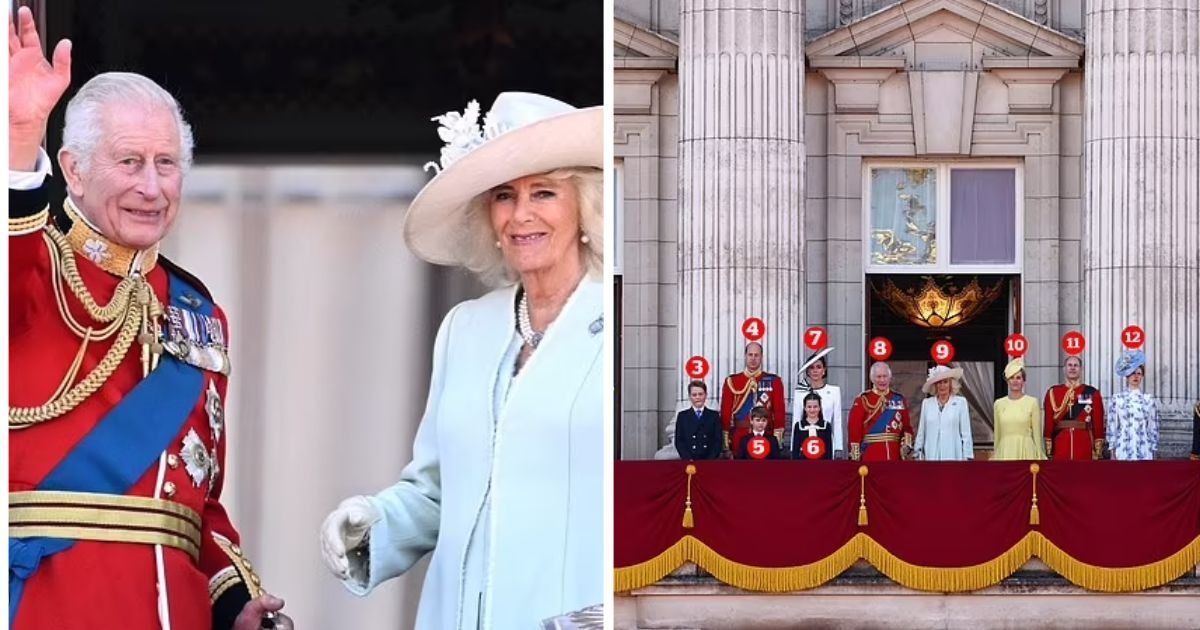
1018,419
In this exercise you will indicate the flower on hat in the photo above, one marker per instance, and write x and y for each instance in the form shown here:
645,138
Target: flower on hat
462,133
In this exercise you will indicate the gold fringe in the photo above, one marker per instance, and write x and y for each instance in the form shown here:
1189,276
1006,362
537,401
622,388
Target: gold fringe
772,580
935,579
948,579
1034,517
862,496
1122,580
688,520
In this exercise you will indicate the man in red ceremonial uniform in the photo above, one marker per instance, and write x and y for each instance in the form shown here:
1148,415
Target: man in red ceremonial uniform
1074,416
117,372
880,429
746,390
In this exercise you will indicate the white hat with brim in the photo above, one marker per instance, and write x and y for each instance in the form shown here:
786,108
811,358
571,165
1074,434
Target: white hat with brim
816,356
940,373
542,135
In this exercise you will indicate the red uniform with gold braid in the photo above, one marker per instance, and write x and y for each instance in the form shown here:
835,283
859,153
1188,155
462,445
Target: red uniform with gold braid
89,559
880,429
1074,421
744,391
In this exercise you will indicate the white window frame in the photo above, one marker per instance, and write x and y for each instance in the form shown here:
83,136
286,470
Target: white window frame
618,217
943,266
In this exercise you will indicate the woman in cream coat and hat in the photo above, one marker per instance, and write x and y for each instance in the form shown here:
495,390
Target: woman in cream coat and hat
945,430
506,482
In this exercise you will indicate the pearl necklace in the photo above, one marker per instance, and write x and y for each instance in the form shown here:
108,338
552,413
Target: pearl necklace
524,325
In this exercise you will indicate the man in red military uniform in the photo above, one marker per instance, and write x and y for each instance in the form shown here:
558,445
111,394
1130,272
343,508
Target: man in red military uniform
746,390
117,372
1074,416
880,429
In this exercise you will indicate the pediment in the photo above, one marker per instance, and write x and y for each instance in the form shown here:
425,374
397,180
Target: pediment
943,35
631,40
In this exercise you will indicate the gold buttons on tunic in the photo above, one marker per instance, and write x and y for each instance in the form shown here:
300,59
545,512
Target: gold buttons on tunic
173,461
169,489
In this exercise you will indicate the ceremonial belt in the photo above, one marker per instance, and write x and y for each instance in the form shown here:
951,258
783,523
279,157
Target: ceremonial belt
879,438
105,518
1071,424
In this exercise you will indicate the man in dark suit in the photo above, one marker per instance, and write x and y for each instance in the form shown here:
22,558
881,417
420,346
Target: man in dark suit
758,443
698,428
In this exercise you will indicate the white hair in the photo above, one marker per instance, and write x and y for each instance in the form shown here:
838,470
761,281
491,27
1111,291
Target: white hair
880,366
478,237
84,128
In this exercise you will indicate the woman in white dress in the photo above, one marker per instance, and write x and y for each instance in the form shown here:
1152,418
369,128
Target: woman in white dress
1132,414
945,430
506,482
812,380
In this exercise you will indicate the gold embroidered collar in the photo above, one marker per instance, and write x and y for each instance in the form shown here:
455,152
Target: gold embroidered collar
89,243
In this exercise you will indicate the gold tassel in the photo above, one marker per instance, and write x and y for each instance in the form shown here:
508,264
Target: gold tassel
1034,517
688,521
862,496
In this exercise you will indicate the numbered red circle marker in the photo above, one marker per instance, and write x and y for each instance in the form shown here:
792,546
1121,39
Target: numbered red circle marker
1133,337
813,448
1073,342
754,329
815,338
696,367
942,352
880,348
1016,345
758,448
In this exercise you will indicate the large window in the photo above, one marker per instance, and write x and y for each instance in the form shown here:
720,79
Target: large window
942,218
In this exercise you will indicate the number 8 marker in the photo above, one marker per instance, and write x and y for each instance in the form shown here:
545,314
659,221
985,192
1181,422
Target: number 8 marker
880,348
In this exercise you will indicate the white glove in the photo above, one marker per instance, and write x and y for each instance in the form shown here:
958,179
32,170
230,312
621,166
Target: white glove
344,530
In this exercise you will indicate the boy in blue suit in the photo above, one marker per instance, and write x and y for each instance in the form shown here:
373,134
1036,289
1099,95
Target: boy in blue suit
698,428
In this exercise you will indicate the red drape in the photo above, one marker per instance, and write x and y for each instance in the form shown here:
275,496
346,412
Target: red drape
935,525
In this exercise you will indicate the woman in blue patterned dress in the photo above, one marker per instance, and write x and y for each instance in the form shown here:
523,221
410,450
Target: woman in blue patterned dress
1133,414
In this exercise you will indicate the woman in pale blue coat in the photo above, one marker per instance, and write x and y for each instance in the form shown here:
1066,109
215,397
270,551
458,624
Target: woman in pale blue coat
506,483
945,429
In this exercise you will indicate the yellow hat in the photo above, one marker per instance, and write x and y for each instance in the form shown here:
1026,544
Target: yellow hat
1014,366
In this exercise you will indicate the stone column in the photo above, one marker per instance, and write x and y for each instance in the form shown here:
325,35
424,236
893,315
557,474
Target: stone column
741,171
1141,223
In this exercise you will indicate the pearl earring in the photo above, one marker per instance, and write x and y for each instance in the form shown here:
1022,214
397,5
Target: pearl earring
584,239
497,244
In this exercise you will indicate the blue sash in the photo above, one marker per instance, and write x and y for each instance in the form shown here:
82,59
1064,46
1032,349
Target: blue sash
885,418
119,450
743,412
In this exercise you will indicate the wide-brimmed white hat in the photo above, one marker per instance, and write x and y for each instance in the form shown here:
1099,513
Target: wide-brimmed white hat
522,134
940,373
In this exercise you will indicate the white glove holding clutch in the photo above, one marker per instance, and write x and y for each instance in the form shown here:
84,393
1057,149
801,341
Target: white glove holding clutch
344,530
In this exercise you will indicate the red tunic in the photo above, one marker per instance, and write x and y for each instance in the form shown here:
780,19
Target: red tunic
1074,421
102,584
881,444
744,391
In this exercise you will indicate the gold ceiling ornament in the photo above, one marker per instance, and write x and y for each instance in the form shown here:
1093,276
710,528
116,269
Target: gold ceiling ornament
939,306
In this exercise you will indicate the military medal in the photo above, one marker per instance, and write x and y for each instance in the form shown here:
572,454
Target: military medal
195,458
216,413
196,339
